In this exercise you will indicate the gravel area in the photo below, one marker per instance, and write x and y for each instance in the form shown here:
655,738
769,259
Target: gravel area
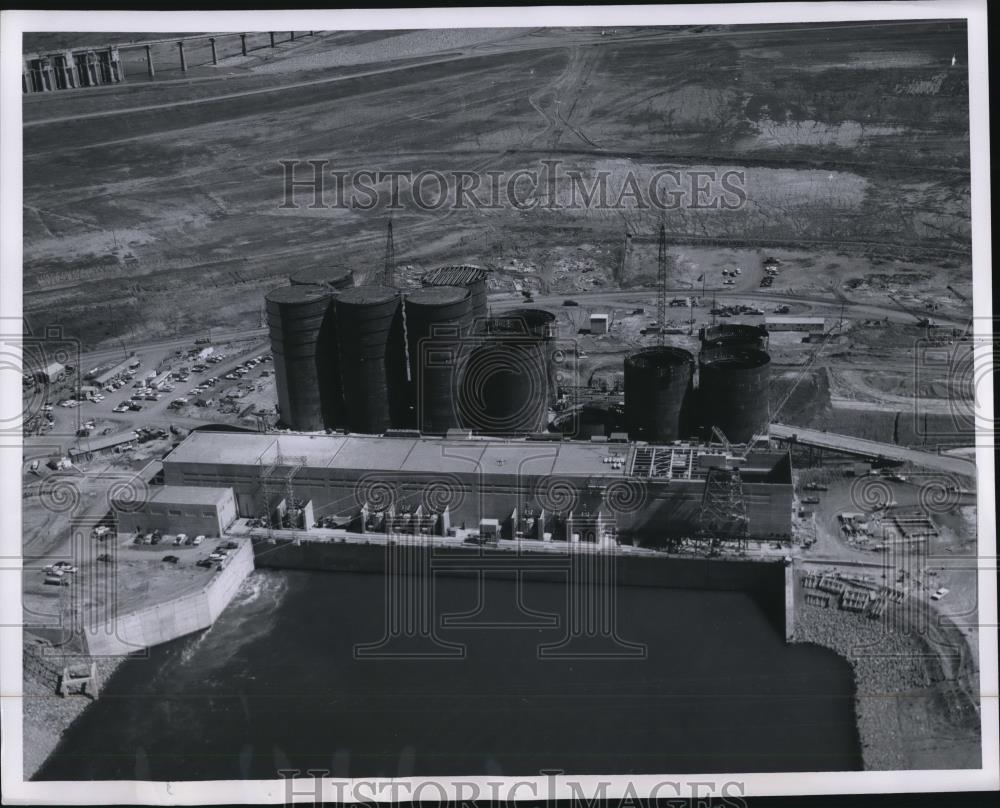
905,698
47,715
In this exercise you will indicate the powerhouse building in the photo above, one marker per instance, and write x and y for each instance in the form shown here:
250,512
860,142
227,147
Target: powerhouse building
532,488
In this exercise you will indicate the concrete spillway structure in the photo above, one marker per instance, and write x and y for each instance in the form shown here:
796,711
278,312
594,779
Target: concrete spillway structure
372,358
439,320
335,278
299,324
733,389
659,394
506,384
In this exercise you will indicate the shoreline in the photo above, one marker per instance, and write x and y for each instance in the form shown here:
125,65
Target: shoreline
915,681
47,716
916,707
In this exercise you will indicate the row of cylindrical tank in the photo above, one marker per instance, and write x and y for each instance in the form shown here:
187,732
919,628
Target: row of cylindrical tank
662,404
372,358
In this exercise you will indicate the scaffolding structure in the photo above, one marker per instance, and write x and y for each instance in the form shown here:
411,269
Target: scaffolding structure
276,479
723,516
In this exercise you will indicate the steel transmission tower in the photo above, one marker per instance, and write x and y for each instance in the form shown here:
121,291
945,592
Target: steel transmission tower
389,272
661,286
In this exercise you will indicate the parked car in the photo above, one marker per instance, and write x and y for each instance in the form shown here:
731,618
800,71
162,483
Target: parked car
62,566
217,556
181,538
197,540
56,580
940,593
231,545
171,559
203,563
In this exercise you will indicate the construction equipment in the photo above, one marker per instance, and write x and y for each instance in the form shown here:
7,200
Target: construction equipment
723,516
773,415
274,483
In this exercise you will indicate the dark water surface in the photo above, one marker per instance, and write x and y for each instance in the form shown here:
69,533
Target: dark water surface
275,685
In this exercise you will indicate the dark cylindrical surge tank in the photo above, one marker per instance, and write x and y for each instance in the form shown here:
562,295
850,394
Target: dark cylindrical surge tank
298,318
524,322
472,278
477,293
438,322
738,335
733,387
504,387
333,277
372,357
506,382
659,394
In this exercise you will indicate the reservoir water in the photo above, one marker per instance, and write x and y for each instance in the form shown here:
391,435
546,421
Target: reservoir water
276,684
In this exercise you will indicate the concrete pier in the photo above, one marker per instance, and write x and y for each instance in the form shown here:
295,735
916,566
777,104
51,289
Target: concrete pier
143,628
789,603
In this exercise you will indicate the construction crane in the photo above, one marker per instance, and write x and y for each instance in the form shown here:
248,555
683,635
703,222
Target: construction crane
661,286
724,515
389,271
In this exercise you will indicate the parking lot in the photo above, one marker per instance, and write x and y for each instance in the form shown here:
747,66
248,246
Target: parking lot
116,573
129,400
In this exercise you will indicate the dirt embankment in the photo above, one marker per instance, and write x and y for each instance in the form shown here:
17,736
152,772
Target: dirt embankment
917,686
47,715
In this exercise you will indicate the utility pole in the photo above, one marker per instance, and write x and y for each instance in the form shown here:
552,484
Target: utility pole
661,286
389,273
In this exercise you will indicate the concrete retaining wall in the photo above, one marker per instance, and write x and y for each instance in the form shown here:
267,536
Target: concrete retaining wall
167,621
763,579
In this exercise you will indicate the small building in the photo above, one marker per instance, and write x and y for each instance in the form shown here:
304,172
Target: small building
160,378
195,510
52,372
106,374
810,325
599,323
89,448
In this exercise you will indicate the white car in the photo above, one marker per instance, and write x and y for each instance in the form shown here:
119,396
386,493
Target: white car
60,567
180,538
198,540
940,593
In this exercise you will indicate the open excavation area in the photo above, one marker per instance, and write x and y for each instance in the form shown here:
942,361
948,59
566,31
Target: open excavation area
692,296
